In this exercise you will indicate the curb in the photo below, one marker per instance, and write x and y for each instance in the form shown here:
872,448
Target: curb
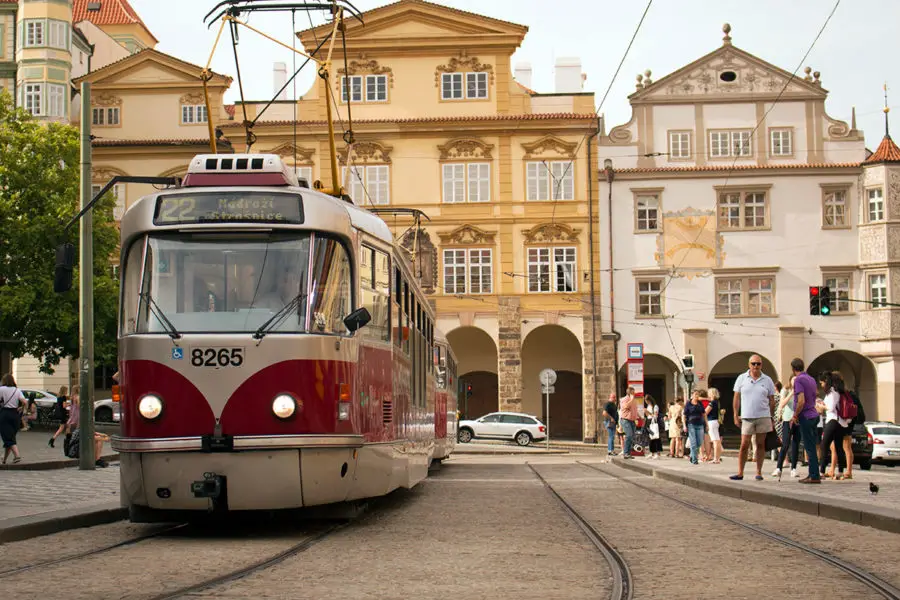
47,465
22,528
848,512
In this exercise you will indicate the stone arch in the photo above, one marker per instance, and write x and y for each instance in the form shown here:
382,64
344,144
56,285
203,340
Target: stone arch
476,354
557,348
859,376
722,377
103,173
659,380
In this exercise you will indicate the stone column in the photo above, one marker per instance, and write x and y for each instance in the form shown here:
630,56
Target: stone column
606,374
509,355
592,401
790,338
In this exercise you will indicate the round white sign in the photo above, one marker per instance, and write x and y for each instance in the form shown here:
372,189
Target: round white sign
548,377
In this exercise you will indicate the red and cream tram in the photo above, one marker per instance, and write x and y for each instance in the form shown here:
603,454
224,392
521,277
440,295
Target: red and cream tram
275,349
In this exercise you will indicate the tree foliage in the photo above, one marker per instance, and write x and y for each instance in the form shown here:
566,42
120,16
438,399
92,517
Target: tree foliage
39,194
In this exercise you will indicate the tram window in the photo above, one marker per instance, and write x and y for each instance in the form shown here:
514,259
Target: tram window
374,293
407,321
331,294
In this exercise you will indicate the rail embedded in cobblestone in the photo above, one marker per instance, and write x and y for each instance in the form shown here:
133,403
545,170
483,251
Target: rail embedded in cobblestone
876,584
623,585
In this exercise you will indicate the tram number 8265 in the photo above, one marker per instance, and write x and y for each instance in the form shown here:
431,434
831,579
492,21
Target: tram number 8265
217,357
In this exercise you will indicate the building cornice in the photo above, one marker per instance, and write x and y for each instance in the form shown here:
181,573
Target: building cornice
717,171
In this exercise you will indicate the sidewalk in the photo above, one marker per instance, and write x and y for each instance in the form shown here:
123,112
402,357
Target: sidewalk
848,501
37,455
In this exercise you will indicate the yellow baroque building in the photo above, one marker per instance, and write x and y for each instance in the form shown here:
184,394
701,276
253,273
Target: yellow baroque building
504,178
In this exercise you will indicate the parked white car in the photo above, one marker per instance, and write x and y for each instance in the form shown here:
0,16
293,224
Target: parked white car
885,441
520,427
107,411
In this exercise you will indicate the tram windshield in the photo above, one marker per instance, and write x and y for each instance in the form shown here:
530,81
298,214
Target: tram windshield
210,283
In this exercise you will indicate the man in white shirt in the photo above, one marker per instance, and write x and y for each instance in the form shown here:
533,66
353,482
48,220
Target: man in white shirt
754,405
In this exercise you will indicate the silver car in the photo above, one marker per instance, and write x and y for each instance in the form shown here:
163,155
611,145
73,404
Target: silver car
520,427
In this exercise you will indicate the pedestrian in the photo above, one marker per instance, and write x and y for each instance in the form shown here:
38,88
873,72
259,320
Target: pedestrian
651,413
74,417
695,418
60,414
712,425
790,431
778,395
12,403
30,415
806,416
676,444
610,420
627,417
754,402
832,383
859,419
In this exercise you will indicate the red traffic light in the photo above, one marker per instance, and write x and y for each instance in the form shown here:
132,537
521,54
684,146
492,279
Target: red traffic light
814,291
469,388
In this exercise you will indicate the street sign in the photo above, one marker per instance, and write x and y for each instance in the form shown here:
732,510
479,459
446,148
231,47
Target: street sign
635,352
635,369
636,372
548,389
548,377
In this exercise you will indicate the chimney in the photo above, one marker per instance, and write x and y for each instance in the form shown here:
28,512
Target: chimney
569,79
522,73
279,78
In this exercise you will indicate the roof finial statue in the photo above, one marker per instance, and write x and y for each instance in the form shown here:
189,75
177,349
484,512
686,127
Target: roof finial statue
887,109
727,29
807,70
853,119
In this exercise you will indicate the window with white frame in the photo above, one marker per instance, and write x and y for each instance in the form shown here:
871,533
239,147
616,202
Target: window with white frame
193,113
646,212
876,205
57,34
304,173
745,296
878,290
550,180
118,194
476,85
34,95
106,115
560,262
355,90
56,100
368,184
726,144
34,33
376,88
679,144
649,295
468,271
466,182
834,209
839,285
451,86
781,142
740,210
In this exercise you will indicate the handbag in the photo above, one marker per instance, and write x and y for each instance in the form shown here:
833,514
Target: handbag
654,431
773,442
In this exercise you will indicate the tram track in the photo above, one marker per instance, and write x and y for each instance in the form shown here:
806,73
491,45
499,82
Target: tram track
622,581
874,583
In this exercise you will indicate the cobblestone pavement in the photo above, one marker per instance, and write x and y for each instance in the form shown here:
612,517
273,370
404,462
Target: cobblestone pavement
33,492
856,490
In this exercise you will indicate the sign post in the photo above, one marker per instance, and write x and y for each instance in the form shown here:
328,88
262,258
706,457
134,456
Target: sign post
635,369
548,378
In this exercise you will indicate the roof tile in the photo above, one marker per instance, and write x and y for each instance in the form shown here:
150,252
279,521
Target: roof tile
112,12
887,152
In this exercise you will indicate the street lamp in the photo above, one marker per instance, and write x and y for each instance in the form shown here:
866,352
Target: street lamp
610,175
689,380
610,172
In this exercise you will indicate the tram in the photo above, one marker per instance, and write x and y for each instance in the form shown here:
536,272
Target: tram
275,349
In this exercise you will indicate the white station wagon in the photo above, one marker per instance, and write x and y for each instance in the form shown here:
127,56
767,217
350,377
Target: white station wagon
520,427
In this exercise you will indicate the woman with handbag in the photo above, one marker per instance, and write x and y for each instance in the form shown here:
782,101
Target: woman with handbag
651,412
12,403
676,442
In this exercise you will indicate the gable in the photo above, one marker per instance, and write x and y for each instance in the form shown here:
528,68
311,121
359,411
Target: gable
143,67
148,72
706,79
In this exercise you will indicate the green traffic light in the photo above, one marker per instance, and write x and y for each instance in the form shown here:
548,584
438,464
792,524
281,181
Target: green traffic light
824,310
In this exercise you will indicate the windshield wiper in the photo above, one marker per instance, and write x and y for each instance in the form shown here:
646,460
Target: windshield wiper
161,316
276,319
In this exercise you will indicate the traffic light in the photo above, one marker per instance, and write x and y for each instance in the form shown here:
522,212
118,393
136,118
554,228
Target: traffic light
468,391
687,362
824,301
814,300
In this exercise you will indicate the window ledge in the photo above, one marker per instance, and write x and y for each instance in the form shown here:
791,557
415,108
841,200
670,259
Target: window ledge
739,229
642,231
742,316
650,317
837,227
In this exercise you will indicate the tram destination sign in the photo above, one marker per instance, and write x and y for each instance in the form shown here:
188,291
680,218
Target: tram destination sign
229,207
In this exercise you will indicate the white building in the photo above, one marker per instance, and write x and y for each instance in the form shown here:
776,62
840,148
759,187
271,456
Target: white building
733,192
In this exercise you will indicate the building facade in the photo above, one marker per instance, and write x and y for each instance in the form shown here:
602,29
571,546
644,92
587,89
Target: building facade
726,196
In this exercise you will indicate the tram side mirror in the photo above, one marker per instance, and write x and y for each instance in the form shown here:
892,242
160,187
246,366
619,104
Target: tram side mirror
65,265
358,319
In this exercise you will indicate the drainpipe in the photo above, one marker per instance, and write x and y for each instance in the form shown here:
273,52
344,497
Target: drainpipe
595,405
610,176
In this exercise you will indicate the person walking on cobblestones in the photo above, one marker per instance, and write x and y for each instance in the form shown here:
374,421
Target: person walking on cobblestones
712,424
695,418
610,420
790,431
60,414
12,403
806,417
74,416
627,417
833,441
754,403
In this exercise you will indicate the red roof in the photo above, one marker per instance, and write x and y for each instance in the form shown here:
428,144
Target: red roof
728,168
887,152
475,118
112,12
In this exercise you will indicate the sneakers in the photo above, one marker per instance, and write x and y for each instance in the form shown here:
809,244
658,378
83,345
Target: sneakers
101,463
776,473
51,442
794,473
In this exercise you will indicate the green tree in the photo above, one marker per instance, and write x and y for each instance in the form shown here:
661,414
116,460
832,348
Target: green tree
39,194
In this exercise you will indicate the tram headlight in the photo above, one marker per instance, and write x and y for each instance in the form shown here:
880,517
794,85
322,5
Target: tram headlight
284,406
150,407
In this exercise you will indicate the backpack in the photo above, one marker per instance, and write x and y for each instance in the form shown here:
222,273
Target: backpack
846,408
74,449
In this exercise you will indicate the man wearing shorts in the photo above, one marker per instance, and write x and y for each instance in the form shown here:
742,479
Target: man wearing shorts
754,404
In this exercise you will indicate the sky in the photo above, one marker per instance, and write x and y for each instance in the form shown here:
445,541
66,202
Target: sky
858,52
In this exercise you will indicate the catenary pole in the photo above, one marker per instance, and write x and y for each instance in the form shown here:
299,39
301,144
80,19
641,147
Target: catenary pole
86,292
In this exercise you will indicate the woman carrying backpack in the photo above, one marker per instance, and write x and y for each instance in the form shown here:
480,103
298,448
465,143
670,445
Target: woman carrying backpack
833,385
860,419
12,403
